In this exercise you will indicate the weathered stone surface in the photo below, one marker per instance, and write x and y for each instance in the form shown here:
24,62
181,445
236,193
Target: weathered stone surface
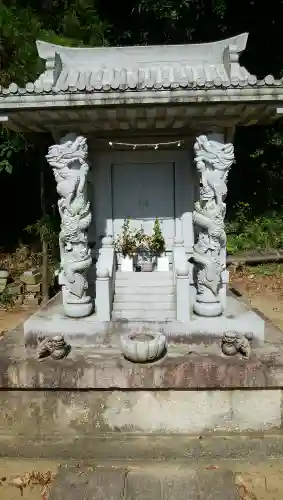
102,366
15,288
119,446
84,484
31,300
142,486
195,412
31,277
160,483
106,370
155,482
3,284
217,485
181,485
18,300
71,415
33,288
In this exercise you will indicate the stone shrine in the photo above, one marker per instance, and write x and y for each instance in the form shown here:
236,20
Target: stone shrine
145,350
143,134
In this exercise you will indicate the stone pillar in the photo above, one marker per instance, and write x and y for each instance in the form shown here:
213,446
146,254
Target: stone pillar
213,160
69,163
183,292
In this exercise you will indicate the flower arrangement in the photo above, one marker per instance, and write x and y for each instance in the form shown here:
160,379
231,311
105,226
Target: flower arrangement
126,242
130,243
157,239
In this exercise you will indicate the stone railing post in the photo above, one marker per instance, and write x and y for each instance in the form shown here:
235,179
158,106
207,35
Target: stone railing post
177,248
103,294
223,288
213,159
107,259
188,232
183,292
182,279
69,163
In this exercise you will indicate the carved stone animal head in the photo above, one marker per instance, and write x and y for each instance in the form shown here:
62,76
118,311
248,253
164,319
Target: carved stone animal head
70,150
213,153
213,160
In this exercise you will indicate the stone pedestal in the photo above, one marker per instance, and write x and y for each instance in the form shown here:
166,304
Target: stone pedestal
208,305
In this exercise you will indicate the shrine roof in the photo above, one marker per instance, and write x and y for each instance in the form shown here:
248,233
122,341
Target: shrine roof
141,68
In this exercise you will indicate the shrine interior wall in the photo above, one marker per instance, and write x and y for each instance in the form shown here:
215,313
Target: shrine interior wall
142,185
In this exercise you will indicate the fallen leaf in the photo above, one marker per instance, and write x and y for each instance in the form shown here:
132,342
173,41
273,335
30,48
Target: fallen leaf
2,334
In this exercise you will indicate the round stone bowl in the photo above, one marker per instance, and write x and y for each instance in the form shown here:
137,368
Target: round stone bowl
143,347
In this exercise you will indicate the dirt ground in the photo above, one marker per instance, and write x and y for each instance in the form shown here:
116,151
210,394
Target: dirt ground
15,474
11,318
263,286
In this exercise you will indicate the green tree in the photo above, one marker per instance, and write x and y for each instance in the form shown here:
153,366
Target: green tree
97,22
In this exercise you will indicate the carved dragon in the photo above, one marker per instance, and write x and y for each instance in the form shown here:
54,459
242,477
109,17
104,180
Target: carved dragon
70,168
213,161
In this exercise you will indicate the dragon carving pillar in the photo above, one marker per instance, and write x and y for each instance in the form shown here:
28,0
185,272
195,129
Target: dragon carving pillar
69,163
213,160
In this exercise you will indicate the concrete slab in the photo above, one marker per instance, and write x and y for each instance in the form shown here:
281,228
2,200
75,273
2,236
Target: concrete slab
146,483
218,485
87,484
50,321
162,483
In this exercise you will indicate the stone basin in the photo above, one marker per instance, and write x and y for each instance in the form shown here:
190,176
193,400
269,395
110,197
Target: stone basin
143,347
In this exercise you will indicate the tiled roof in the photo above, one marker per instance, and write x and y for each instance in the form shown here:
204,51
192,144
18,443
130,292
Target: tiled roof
121,69
162,77
181,77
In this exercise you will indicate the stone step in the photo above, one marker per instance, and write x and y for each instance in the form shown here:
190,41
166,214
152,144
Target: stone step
155,298
144,315
145,282
145,306
164,275
154,291
153,481
168,285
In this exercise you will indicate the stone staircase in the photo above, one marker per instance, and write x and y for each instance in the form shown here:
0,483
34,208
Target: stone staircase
144,296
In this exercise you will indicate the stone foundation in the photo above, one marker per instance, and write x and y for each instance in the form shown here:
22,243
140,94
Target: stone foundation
74,415
50,320
96,403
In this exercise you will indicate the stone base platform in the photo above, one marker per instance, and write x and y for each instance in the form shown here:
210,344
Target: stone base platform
50,321
95,396
95,403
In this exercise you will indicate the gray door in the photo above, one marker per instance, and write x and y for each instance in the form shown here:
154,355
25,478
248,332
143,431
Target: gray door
142,192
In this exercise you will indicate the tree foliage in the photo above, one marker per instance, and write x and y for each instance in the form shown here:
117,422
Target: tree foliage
99,22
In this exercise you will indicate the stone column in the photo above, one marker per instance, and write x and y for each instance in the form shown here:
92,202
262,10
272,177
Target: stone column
69,163
213,160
